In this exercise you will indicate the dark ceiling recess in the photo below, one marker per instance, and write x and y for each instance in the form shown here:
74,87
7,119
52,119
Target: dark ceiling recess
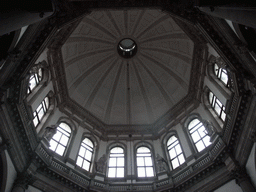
127,48
249,35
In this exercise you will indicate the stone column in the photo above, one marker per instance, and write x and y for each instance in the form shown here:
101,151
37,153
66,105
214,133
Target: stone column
21,182
243,180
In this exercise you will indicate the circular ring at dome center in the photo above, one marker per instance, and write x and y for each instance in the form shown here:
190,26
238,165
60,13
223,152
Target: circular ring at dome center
127,48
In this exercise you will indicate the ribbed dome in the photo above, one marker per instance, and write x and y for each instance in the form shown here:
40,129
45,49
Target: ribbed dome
136,90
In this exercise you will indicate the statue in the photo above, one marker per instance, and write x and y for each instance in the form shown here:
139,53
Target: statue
101,164
49,132
209,127
160,164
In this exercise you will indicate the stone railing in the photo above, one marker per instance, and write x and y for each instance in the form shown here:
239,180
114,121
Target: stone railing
85,181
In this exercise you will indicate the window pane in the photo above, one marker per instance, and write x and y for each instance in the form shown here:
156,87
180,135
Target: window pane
149,171
47,102
172,153
35,121
143,150
148,161
193,123
120,161
117,150
112,162
40,113
200,146
216,69
223,116
65,127
175,163
171,140
207,141
60,150
57,136
88,155
53,145
82,151
120,172
88,142
79,161
178,149
111,172
181,158
195,136
64,140
86,165
217,109
141,172
202,131
32,83
140,161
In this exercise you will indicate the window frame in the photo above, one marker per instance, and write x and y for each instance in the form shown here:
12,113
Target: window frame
58,142
43,106
189,120
86,149
109,147
116,167
37,78
149,146
215,101
168,151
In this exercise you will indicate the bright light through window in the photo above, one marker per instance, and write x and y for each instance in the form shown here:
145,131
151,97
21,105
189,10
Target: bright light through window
116,163
218,107
175,152
198,134
34,80
144,162
84,158
221,74
59,141
40,111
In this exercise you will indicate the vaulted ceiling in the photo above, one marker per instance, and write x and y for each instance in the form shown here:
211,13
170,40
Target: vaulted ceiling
134,91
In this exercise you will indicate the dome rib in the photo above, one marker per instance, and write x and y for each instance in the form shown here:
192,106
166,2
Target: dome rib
112,95
176,36
113,22
83,56
80,38
168,99
98,26
152,25
170,53
98,86
144,94
137,22
172,73
77,82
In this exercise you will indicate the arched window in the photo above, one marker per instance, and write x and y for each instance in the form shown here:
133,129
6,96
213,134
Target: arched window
199,134
175,152
116,163
144,162
41,111
59,141
84,158
218,107
34,80
221,74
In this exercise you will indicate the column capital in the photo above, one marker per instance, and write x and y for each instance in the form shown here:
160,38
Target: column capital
21,182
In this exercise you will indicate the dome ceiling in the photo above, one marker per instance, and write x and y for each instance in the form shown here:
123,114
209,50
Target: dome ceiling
136,90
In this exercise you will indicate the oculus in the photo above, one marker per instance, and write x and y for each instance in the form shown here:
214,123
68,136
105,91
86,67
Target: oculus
127,48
